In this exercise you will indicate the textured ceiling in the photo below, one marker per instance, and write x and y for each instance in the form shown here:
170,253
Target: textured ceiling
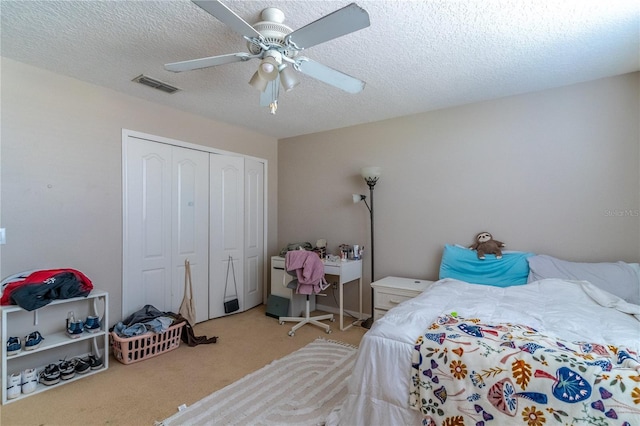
416,56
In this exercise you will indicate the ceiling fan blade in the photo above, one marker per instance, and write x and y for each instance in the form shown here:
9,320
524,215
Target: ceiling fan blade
336,24
211,61
329,75
229,17
271,93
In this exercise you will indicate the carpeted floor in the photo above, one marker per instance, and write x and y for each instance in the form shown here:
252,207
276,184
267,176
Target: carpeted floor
299,389
152,390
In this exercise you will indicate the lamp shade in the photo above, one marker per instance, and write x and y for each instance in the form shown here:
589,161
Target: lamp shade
258,82
371,173
268,68
288,77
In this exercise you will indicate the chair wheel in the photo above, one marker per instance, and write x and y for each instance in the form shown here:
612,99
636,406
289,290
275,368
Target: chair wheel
281,322
329,331
332,320
291,333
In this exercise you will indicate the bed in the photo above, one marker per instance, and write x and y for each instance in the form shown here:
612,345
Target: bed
545,346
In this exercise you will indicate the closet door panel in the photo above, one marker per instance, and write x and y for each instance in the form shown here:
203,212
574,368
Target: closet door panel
190,231
254,233
147,217
226,238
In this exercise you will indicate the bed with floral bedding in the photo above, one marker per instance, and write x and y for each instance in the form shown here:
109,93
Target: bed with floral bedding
465,371
547,351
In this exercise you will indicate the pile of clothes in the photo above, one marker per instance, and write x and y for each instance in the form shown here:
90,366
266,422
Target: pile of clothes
147,319
34,289
151,320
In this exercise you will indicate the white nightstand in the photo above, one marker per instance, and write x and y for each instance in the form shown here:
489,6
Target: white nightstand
391,291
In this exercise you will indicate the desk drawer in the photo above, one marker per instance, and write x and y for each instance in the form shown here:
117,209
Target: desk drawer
389,299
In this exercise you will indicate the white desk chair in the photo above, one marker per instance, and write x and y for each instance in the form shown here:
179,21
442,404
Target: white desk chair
307,318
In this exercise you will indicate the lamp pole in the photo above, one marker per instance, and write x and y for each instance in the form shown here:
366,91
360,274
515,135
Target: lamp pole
371,181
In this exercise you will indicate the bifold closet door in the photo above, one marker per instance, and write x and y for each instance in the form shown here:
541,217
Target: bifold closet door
254,233
226,241
166,220
190,230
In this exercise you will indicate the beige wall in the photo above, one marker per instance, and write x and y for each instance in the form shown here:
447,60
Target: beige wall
62,170
548,172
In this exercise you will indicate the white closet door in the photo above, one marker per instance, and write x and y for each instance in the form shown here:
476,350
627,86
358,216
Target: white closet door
165,218
254,233
190,229
147,216
226,230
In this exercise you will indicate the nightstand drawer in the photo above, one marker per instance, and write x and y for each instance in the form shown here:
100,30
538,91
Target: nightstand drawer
387,300
389,292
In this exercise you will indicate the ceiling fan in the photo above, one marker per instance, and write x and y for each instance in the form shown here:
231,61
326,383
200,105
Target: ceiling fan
277,46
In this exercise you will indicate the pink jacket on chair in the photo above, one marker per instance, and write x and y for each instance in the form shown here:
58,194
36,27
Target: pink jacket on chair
309,270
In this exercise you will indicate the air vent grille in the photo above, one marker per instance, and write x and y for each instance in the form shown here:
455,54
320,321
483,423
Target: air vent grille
156,84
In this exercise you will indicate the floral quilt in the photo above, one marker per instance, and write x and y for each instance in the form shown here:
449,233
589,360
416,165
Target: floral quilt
465,372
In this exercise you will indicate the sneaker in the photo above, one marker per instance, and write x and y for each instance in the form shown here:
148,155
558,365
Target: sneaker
32,341
13,346
95,362
50,375
14,384
29,380
92,324
67,369
82,365
74,328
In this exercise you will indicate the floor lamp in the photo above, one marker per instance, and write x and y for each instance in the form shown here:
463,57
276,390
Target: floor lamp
371,176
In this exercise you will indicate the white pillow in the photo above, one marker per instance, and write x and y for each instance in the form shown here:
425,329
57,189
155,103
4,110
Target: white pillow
619,278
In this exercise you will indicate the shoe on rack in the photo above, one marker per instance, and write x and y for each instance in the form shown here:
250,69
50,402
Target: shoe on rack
82,365
74,327
95,362
50,375
67,369
29,380
14,384
32,341
13,346
92,324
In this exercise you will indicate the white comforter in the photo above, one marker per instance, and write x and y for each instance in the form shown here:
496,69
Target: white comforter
378,391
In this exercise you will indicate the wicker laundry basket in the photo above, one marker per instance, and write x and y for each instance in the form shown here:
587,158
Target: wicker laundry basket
128,350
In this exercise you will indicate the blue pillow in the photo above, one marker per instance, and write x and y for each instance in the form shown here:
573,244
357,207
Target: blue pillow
463,264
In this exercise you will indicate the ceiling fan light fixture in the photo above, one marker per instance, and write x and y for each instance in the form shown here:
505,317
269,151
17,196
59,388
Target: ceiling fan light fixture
288,77
258,82
276,45
268,68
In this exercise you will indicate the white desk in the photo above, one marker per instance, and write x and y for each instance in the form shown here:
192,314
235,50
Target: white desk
347,271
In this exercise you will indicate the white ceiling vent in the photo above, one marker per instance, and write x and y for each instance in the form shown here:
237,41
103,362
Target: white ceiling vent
156,84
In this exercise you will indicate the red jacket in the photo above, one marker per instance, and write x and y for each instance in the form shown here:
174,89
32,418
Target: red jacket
41,287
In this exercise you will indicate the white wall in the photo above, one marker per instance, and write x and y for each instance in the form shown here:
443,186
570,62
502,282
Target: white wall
62,170
547,172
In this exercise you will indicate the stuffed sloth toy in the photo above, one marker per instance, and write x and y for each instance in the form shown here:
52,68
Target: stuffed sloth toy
485,244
